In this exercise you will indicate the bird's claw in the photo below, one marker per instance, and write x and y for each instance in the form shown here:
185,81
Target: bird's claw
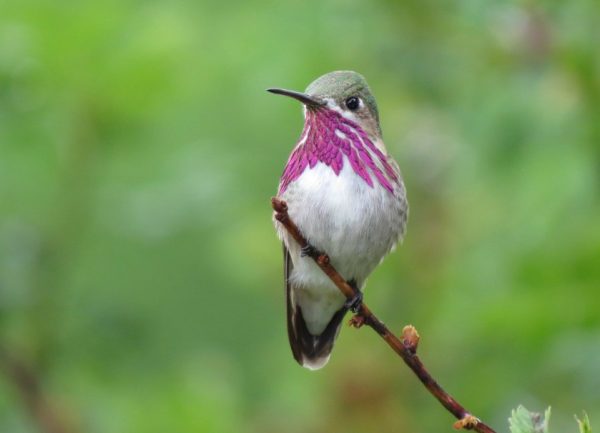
308,251
354,303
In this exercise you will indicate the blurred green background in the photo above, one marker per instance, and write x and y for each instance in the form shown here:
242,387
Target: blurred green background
140,275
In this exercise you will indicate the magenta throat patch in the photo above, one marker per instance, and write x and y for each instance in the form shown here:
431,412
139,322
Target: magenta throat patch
328,137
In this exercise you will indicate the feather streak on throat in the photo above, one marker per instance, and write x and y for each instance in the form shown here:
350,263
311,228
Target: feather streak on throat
328,137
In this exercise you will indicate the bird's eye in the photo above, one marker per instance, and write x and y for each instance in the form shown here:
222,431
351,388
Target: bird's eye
352,103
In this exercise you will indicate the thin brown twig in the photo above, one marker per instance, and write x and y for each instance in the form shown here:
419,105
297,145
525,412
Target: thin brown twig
406,347
28,385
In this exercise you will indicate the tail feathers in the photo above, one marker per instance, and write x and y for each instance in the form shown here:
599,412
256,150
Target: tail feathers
312,351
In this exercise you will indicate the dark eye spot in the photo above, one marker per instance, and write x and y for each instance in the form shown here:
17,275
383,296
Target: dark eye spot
352,103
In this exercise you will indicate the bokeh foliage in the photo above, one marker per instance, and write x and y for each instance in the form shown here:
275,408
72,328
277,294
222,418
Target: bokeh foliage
139,271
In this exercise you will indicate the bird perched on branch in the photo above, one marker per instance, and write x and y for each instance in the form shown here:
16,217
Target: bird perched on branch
346,195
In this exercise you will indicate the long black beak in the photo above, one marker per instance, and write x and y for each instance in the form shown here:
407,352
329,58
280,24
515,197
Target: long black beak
307,100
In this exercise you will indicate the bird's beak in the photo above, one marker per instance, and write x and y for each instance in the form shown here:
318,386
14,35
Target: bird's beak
309,101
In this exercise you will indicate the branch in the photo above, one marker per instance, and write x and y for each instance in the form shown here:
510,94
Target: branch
406,347
28,384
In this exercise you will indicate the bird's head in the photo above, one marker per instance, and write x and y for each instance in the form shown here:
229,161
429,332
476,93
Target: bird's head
346,92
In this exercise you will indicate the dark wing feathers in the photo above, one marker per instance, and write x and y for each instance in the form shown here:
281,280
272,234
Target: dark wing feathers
287,272
308,349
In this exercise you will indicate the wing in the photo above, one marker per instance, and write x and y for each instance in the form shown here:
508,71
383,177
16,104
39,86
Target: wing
288,266
310,351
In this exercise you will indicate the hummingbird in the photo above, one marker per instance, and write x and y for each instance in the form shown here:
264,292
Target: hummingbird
346,195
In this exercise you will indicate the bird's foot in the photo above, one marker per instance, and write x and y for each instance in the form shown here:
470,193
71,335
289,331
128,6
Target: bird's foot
309,251
354,303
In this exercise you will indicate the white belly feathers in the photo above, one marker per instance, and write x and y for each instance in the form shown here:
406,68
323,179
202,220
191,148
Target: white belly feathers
354,223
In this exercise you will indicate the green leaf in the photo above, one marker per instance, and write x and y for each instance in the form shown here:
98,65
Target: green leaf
584,424
523,421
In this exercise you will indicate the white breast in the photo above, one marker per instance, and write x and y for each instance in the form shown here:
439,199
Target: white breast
356,224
